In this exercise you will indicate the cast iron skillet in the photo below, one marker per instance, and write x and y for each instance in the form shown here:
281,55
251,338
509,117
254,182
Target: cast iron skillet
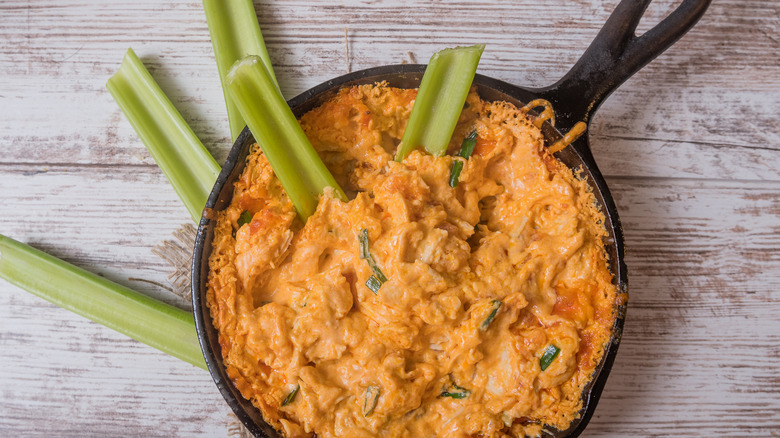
613,57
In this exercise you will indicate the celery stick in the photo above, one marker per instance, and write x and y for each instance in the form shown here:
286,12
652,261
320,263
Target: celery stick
235,34
181,156
440,100
294,160
164,327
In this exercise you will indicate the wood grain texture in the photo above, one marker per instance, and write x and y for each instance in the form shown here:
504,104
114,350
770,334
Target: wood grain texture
690,147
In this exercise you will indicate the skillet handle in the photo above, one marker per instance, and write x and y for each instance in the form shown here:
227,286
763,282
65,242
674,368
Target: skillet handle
614,56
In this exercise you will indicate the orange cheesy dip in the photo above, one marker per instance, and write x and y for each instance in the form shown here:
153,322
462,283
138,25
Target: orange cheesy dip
415,309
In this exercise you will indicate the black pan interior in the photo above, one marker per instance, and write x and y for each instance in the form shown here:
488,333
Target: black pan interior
404,76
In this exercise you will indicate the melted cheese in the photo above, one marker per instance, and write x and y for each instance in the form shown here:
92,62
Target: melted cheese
481,279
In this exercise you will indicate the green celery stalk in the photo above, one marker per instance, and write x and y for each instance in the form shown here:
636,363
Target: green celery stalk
440,98
164,327
181,156
294,160
235,34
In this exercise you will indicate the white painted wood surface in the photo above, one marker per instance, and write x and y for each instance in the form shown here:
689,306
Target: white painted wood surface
690,147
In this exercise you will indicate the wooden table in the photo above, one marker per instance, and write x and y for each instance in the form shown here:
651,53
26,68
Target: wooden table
690,147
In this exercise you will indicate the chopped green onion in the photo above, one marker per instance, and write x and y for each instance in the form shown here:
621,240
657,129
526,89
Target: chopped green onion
294,160
291,396
377,272
370,400
549,355
374,284
363,239
245,218
454,391
466,149
159,325
457,167
235,34
496,304
181,156
440,98
365,254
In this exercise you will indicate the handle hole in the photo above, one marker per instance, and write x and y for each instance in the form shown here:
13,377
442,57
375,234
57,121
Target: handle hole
655,13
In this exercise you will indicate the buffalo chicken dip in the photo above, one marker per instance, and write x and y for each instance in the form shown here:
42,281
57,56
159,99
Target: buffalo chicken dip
432,303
